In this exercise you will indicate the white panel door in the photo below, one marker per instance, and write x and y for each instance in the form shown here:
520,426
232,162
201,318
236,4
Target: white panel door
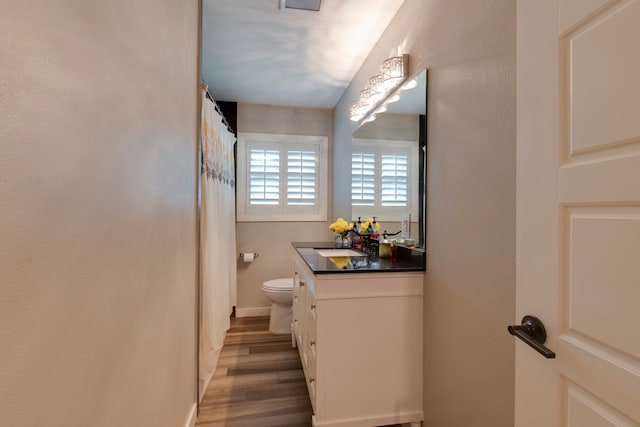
578,211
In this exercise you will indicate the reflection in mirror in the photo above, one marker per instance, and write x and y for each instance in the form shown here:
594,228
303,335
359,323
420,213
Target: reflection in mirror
388,164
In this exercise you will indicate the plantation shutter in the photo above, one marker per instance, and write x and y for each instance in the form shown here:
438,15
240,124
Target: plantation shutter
394,180
383,177
282,177
301,177
264,178
363,177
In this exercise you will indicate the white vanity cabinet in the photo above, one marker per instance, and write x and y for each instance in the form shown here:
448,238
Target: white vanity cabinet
360,341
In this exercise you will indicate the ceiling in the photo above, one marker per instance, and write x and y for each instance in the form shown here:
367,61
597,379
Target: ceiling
253,52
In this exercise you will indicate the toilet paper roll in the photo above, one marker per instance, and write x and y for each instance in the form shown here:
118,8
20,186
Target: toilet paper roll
248,257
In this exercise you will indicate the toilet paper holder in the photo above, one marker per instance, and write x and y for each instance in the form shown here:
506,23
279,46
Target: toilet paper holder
255,255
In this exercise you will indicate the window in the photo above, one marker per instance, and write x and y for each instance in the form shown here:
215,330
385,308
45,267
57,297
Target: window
384,178
282,177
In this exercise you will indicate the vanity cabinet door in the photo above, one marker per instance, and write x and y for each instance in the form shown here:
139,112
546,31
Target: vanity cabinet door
312,383
312,321
310,342
297,322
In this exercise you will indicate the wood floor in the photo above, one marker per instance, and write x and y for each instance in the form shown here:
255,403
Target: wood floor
259,381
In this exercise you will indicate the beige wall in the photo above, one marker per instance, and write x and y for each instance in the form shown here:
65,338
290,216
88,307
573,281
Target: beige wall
271,240
97,174
469,48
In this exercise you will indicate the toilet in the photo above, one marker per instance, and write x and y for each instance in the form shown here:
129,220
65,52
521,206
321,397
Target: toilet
280,292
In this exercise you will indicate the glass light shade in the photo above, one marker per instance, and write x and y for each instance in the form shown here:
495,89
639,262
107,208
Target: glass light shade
376,85
365,102
360,109
394,71
366,95
354,114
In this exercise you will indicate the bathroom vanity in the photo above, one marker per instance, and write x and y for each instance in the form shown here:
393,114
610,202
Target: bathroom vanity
357,323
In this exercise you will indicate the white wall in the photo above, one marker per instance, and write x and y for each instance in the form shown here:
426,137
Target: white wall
98,119
469,48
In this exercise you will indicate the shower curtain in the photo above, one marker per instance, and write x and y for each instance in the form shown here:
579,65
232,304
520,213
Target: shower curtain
217,238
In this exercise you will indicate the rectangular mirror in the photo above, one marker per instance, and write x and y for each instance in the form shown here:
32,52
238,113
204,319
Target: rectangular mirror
388,161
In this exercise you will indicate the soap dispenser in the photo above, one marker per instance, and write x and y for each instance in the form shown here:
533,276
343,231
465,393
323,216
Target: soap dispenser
385,248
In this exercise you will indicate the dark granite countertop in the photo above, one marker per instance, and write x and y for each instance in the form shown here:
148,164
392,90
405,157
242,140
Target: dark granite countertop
409,259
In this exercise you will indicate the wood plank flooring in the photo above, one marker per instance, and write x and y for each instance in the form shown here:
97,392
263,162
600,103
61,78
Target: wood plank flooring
259,381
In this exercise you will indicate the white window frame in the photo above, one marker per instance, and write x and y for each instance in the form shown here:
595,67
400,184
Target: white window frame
387,146
246,212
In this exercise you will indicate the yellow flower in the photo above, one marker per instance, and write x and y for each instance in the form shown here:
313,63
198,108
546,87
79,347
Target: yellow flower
341,226
364,226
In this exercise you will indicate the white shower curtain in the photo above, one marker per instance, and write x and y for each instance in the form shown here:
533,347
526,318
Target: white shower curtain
217,238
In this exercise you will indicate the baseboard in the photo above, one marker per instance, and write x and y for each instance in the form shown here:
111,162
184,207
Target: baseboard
406,419
253,311
193,414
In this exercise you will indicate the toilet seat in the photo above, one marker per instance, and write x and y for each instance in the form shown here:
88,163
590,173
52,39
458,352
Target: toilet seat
279,285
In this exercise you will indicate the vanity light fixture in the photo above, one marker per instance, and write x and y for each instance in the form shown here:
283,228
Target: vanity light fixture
377,94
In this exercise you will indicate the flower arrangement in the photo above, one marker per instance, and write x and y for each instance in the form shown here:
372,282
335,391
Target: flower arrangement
341,227
363,232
